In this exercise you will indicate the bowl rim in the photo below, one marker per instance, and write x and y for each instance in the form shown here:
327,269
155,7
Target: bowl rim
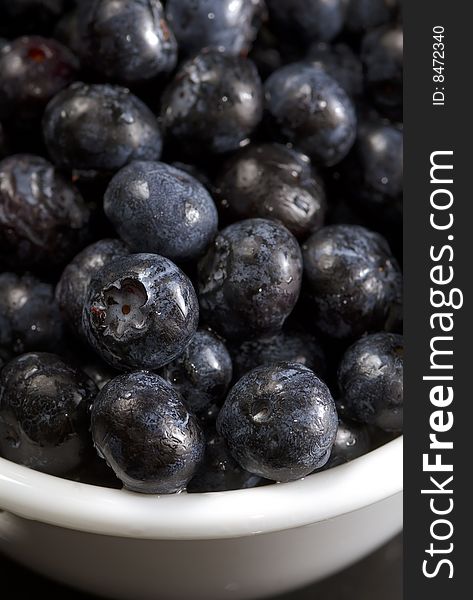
328,494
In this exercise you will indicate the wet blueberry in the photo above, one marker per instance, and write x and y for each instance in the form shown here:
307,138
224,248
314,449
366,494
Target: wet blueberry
224,24
341,63
371,381
157,208
311,110
44,418
382,54
32,70
279,421
290,346
202,373
126,40
219,472
273,182
99,127
142,428
353,280
29,315
213,104
141,311
309,20
352,441
71,290
250,278
43,219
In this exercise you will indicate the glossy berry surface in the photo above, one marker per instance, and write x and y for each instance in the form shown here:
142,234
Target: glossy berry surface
99,127
371,381
213,104
352,441
44,419
279,421
225,25
43,218
29,316
287,345
141,311
127,41
353,280
382,55
312,110
202,373
250,278
72,287
32,70
142,428
341,63
219,471
274,182
311,20
157,208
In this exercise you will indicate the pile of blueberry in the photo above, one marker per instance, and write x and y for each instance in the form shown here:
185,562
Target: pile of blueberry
200,238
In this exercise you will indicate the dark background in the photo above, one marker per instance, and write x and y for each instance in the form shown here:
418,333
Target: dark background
378,577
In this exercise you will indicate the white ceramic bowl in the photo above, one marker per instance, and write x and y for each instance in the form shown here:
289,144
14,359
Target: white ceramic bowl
242,544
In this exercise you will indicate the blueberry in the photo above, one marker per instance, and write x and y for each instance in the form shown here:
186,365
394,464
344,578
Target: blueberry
43,219
126,40
352,441
273,182
224,24
341,63
141,311
29,316
71,289
382,55
213,104
371,381
32,70
289,346
202,373
142,428
99,127
250,278
311,110
27,16
157,208
308,20
219,471
44,419
353,280
279,421
363,15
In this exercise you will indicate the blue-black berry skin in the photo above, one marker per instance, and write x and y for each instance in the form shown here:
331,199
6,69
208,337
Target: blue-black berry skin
99,127
382,55
308,20
32,70
279,421
341,63
157,208
44,418
352,441
223,24
202,373
354,282
285,346
72,287
43,219
370,377
219,471
127,41
272,181
141,311
250,278
29,315
311,110
213,104
142,428
363,15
